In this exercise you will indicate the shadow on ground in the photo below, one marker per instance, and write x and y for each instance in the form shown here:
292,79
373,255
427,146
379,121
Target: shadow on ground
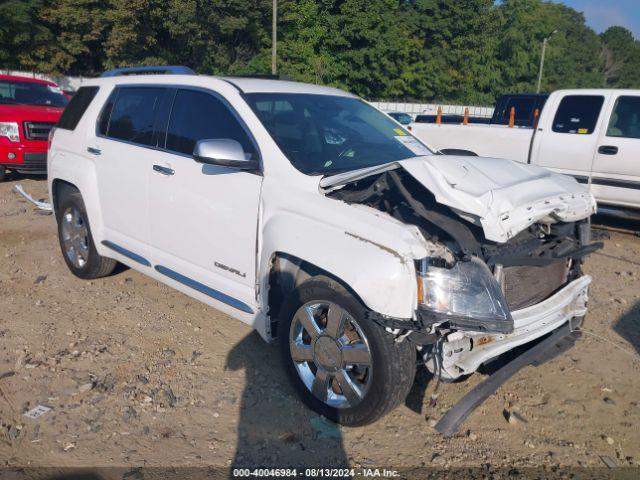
628,327
13,176
266,437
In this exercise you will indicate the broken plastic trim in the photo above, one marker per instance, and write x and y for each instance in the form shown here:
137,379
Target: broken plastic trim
547,349
394,323
41,205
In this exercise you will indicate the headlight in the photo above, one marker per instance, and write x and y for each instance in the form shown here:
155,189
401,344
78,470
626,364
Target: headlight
466,296
10,130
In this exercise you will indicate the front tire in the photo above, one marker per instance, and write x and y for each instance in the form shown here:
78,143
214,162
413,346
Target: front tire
3,173
76,241
343,365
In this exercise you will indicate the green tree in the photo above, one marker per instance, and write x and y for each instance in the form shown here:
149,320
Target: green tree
572,59
371,47
20,31
621,57
467,51
459,41
74,45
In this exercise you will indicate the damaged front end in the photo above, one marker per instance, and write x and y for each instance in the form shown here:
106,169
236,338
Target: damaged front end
478,298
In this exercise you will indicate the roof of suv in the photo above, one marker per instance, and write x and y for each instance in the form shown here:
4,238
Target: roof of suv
261,85
244,84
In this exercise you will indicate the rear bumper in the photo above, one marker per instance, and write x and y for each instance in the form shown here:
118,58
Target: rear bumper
464,352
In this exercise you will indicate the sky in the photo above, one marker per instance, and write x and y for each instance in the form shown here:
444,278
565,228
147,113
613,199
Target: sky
601,14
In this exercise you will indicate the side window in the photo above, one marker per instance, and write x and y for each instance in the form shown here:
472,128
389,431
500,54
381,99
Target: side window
105,114
578,114
625,119
199,116
133,114
77,106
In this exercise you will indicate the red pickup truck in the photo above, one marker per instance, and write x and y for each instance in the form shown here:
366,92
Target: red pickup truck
29,108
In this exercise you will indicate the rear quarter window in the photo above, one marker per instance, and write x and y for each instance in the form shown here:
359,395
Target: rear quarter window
77,106
133,114
578,114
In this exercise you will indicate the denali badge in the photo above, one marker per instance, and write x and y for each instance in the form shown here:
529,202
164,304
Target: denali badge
229,269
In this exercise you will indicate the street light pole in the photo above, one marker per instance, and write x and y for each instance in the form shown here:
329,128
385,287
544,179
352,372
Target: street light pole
545,42
274,38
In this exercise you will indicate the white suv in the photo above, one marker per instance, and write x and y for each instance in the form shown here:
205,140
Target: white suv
320,221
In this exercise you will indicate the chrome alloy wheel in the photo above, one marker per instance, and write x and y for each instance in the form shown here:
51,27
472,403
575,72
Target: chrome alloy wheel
75,237
331,354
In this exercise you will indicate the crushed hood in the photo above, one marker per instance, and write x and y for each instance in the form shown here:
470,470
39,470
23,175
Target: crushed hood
502,196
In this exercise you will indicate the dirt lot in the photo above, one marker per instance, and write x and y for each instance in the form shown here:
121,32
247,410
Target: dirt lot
138,374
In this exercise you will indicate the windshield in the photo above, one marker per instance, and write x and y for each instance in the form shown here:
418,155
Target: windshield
324,135
30,93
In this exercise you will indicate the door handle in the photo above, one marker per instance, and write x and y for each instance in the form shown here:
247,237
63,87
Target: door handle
94,151
163,170
608,150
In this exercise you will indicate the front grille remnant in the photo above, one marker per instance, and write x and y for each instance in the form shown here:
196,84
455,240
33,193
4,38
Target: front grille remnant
37,130
527,285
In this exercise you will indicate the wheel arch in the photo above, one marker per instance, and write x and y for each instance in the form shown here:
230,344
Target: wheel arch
58,189
287,272
68,172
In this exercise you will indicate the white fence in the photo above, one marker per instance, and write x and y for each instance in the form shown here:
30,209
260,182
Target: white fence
432,108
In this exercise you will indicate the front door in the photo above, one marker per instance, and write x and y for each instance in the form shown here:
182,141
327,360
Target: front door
204,218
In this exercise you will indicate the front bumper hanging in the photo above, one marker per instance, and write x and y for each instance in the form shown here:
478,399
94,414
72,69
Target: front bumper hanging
557,342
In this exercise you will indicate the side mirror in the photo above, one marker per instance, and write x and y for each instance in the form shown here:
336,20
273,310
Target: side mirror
224,152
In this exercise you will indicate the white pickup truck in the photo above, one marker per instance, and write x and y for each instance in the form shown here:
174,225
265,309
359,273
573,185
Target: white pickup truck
593,135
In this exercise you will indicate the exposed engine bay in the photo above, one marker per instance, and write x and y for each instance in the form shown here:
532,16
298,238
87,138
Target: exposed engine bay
529,268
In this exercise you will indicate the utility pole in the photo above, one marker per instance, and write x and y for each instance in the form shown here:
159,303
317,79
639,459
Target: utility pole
274,38
545,42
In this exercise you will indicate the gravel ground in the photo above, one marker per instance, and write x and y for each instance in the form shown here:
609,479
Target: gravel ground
137,374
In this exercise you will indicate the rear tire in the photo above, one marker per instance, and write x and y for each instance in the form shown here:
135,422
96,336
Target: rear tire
76,241
381,382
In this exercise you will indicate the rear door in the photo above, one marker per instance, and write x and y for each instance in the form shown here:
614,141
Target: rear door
204,218
124,148
567,143
616,166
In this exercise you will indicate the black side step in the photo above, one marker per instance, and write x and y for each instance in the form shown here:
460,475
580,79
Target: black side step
559,341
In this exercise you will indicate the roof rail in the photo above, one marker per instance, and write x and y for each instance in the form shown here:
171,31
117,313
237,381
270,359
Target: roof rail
261,76
157,70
